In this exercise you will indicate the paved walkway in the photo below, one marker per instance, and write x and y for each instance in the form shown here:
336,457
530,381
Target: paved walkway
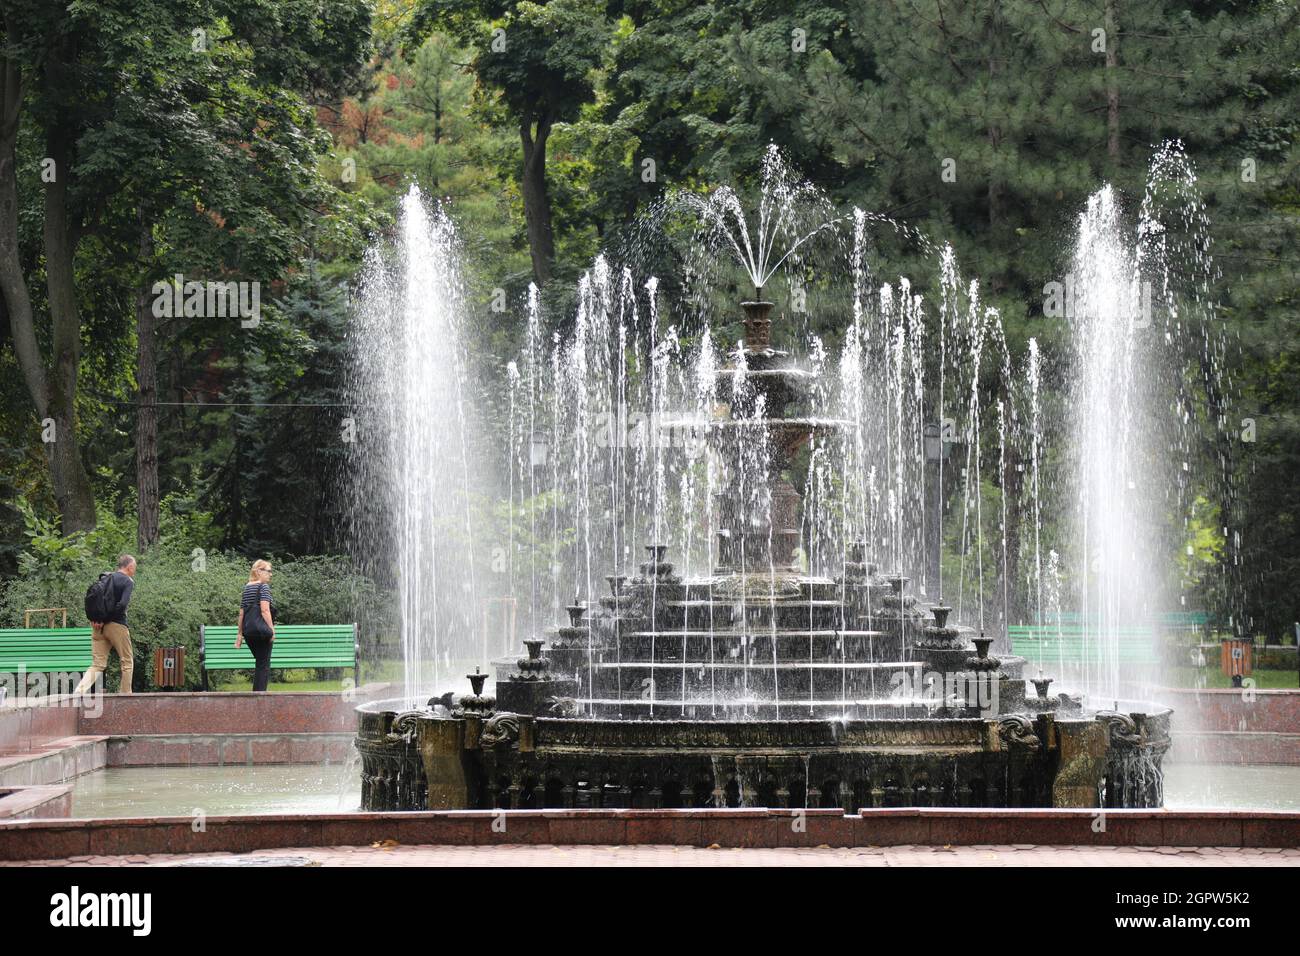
1017,855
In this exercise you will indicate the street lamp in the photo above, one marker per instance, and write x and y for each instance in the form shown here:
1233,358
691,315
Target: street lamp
936,450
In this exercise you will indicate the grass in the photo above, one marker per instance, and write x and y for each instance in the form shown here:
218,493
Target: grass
296,687
1215,678
304,680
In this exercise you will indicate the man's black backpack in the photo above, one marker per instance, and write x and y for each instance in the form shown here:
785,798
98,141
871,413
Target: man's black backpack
99,599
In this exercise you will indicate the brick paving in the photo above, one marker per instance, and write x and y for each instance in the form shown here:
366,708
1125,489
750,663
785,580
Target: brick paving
521,855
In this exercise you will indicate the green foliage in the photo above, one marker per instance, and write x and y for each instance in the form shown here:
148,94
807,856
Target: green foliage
189,145
235,158
181,585
538,58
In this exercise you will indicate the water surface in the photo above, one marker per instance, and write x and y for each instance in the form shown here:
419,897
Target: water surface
178,791
217,791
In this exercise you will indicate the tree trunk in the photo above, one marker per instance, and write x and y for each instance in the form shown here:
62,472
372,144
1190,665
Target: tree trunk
72,489
1012,489
1230,519
1112,83
146,419
537,205
13,285
996,188
53,389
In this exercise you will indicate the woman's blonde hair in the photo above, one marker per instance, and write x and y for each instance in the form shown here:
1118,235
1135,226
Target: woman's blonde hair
261,564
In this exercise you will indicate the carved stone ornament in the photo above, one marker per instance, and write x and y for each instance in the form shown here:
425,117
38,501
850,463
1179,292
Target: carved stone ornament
1122,728
563,706
1017,729
500,729
404,723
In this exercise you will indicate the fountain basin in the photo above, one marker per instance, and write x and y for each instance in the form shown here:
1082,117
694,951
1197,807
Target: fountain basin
424,761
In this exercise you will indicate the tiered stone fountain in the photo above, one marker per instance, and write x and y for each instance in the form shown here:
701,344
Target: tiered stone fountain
759,685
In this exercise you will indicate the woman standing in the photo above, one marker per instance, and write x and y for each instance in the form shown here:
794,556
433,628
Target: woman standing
256,622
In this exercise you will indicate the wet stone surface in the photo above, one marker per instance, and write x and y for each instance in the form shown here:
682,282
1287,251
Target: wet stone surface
247,861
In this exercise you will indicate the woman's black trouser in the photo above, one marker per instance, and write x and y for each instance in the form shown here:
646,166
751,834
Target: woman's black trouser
261,648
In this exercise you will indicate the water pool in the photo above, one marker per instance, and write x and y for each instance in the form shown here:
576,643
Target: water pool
178,791
217,791
1202,786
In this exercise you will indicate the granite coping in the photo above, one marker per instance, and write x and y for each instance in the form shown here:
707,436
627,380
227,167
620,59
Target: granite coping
1259,748
25,724
21,802
52,748
751,827
215,750
641,855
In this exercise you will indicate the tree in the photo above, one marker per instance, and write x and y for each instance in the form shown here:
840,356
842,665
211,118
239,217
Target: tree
538,63
1027,108
101,100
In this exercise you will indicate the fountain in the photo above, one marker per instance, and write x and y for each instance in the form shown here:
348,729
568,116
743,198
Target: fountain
415,474
758,656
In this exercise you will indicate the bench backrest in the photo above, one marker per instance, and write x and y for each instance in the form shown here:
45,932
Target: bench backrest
1185,620
37,649
1075,643
296,645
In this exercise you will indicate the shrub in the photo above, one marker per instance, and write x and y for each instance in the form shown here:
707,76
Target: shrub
179,586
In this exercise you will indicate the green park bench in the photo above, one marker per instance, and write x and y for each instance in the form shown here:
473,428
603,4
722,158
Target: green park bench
1077,644
1185,622
296,645
1064,617
37,650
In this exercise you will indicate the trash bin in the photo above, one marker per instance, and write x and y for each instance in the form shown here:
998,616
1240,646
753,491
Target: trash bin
1235,660
169,666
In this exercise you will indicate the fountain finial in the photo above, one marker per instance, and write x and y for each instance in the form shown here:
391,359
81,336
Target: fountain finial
758,325
941,612
576,611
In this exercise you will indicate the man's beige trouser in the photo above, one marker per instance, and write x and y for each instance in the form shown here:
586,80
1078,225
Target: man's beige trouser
114,636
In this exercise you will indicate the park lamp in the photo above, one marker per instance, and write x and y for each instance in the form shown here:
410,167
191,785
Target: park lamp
936,449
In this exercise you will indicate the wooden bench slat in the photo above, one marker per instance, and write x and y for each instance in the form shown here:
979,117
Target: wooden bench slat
296,646
1073,643
44,649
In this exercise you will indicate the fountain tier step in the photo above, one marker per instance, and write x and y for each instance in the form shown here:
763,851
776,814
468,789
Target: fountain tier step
835,666
713,615
785,645
737,679
737,708
757,588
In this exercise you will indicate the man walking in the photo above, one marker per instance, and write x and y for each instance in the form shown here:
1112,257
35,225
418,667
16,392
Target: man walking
112,631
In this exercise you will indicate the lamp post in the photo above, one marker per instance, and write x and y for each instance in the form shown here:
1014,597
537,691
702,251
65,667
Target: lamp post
936,450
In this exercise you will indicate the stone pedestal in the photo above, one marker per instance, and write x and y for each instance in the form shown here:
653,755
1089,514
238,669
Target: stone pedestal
1081,762
533,696
442,748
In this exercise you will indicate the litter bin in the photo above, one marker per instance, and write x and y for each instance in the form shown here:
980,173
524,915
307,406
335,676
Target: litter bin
1235,660
169,666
